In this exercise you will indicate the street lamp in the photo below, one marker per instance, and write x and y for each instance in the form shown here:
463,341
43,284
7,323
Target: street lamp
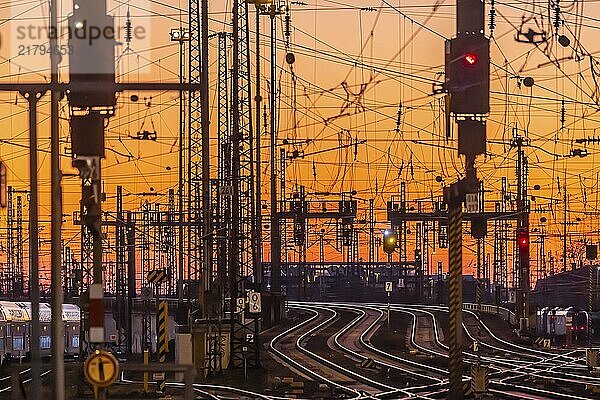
270,8
180,35
260,5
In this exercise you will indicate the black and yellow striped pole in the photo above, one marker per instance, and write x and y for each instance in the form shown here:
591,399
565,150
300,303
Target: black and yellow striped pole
163,342
454,195
467,80
455,339
590,254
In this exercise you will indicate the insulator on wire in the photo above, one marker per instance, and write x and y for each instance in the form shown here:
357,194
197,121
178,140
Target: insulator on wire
492,23
288,25
557,19
265,116
290,58
128,29
399,118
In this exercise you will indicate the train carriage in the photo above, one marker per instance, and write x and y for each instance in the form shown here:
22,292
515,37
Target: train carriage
45,330
579,326
17,321
71,315
3,343
563,325
45,318
542,321
15,329
558,322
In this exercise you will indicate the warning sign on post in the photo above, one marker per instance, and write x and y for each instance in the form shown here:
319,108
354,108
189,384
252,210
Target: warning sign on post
101,368
254,302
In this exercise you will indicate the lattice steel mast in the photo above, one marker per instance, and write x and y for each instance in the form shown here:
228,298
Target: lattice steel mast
194,165
241,266
224,162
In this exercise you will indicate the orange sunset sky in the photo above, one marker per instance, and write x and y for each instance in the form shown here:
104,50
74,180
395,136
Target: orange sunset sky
357,64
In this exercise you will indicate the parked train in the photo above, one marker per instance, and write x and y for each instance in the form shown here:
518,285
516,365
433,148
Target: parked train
563,324
15,329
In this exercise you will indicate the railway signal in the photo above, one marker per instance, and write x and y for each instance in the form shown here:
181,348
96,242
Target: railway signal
468,74
390,241
92,56
591,250
523,245
522,291
523,239
3,186
467,82
418,258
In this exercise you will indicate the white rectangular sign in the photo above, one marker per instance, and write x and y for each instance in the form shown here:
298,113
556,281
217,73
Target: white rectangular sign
254,302
226,190
240,304
472,201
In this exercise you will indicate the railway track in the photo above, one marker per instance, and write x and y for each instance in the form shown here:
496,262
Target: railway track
550,362
515,369
353,340
287,347
355,350
358,346
207,391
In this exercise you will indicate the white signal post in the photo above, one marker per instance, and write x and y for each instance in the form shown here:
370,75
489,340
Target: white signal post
96,311
388,289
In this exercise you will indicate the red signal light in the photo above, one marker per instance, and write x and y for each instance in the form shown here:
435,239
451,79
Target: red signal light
470,59
523,239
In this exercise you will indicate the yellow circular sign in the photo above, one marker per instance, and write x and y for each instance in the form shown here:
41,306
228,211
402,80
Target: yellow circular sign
101,368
